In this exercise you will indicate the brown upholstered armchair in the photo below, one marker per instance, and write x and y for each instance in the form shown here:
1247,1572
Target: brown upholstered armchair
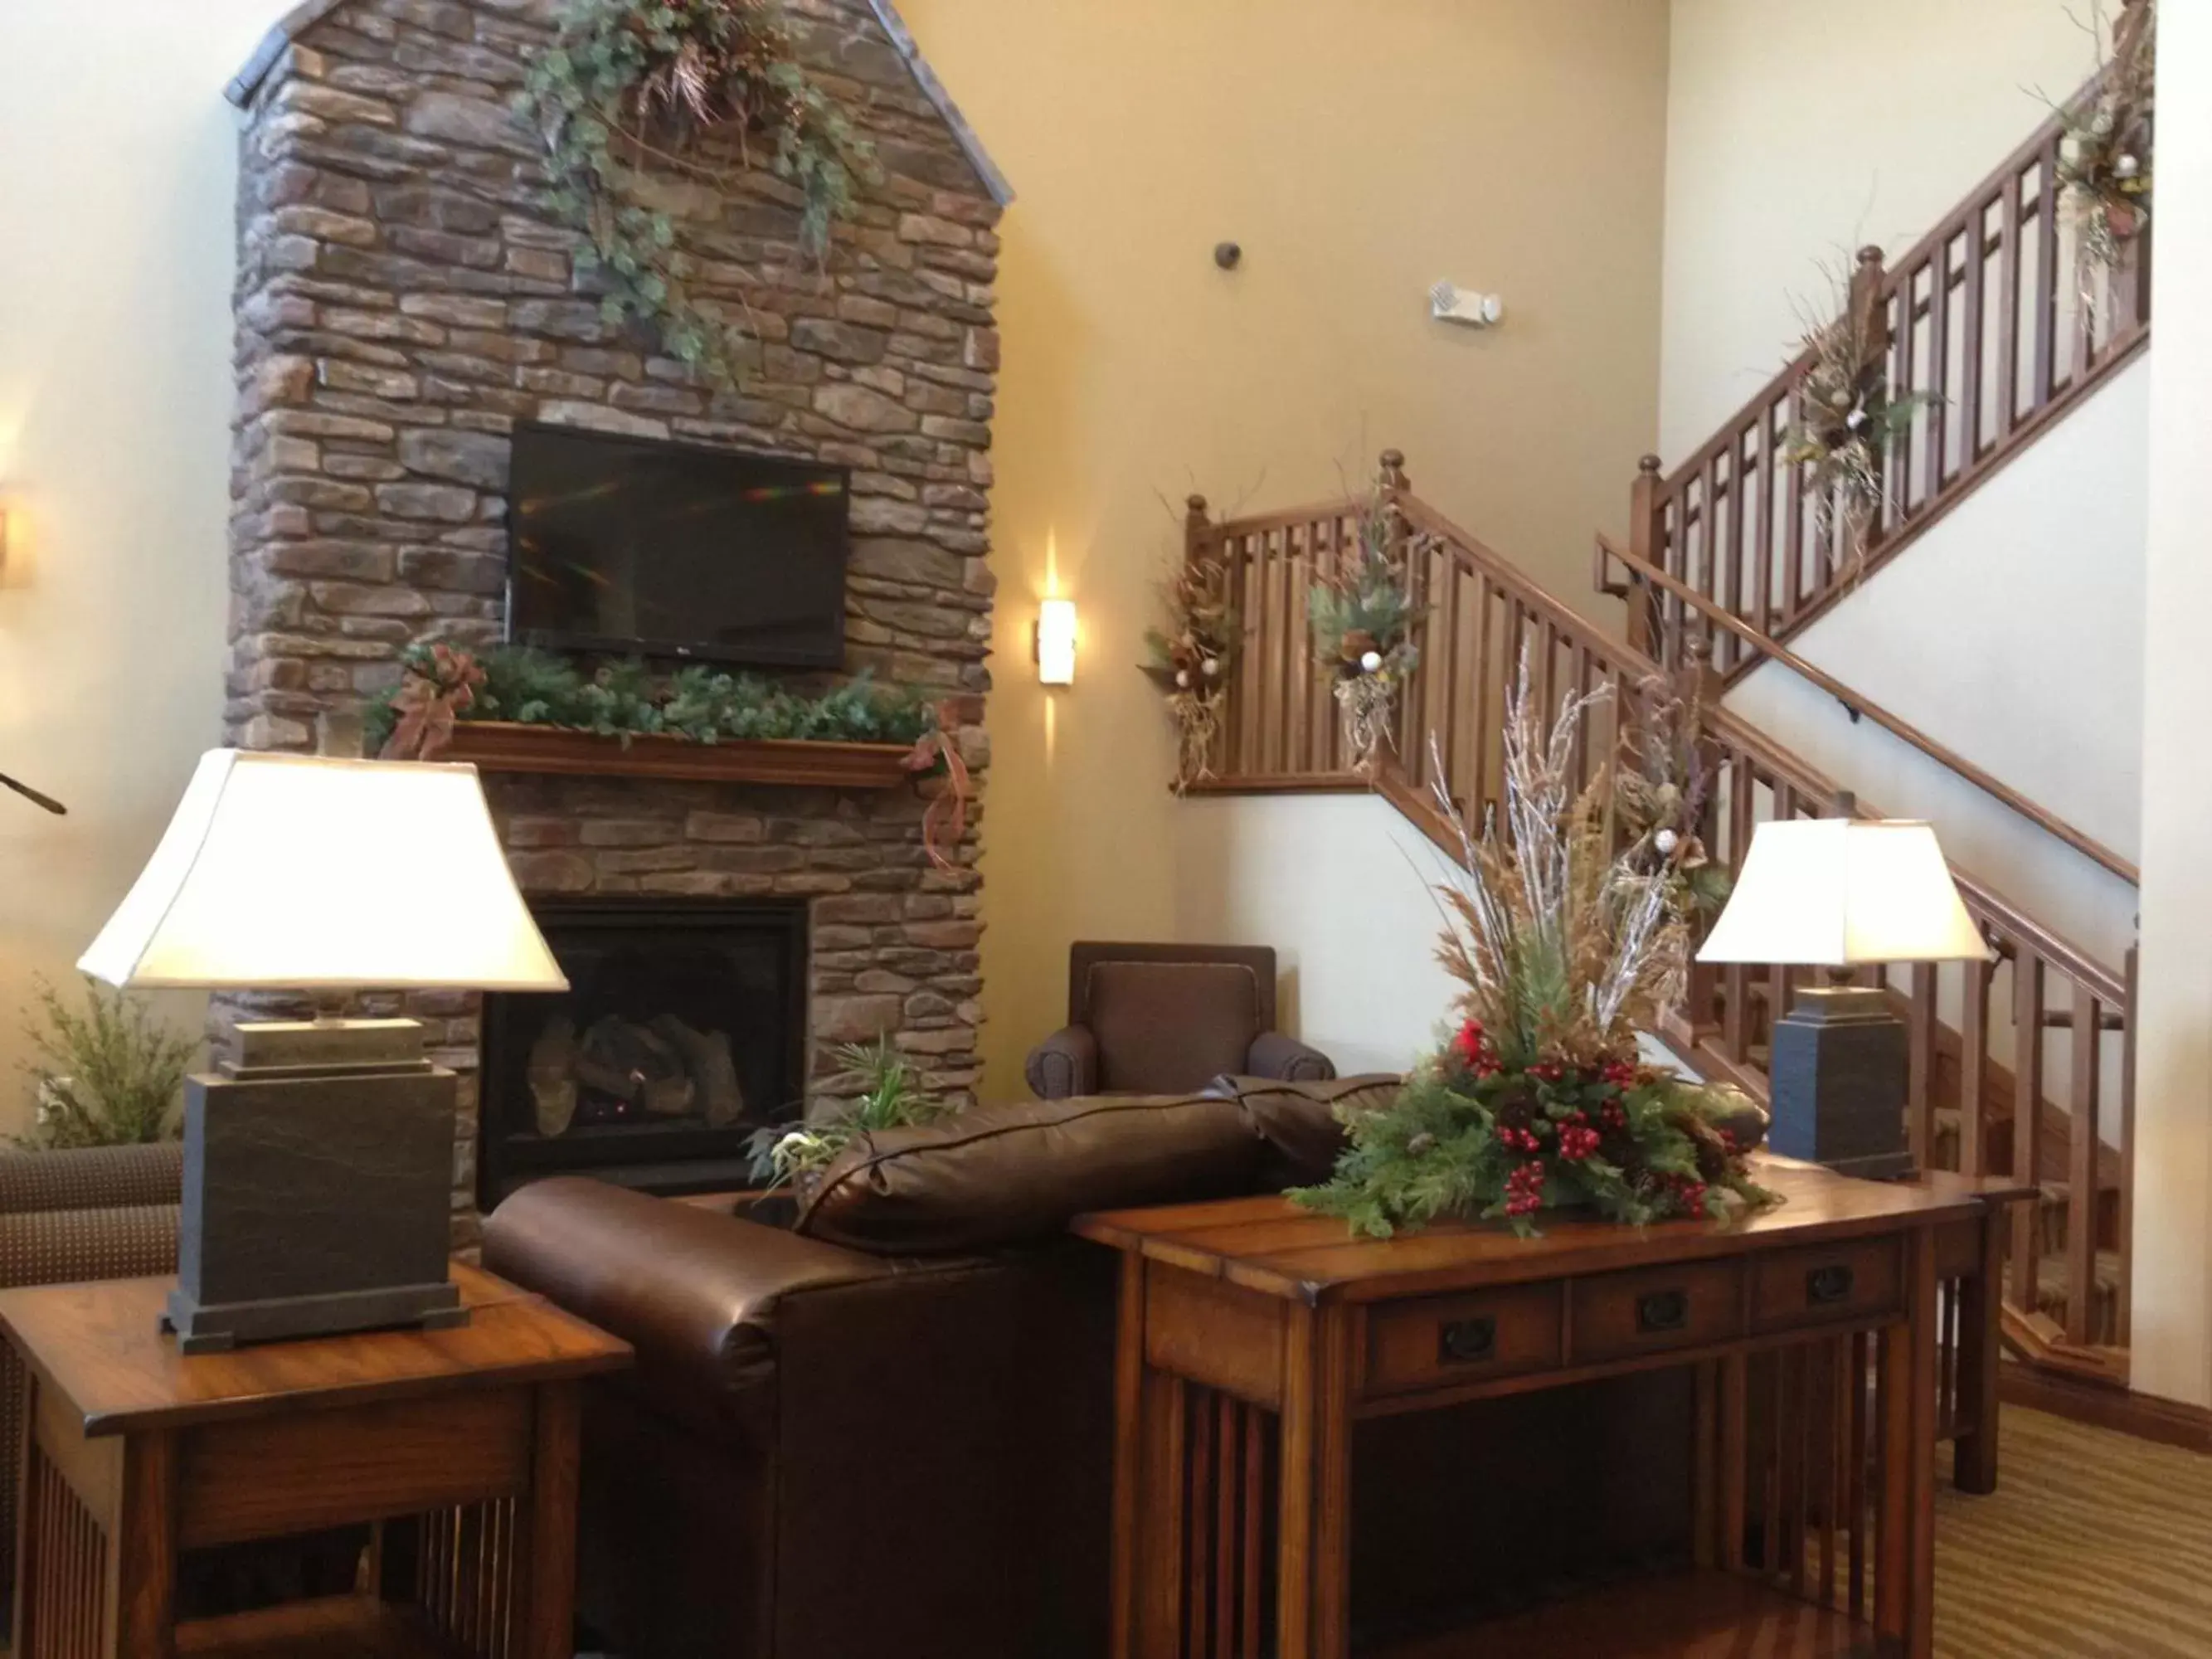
1166,1018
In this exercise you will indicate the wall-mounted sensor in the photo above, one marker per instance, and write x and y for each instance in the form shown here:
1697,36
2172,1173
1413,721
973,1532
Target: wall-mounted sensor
1449,303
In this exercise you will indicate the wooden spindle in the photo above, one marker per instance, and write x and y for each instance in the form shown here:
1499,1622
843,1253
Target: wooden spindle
1920,1064
2083,1197
2049,278
1973,1068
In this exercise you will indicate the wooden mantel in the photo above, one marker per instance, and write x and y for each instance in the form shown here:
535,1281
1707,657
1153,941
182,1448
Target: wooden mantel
502,746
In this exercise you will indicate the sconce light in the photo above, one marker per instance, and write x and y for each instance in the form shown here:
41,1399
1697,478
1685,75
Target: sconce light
1055,643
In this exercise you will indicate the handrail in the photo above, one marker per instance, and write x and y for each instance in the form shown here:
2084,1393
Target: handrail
1477,554
2089,846
1947,229
1984,901
1994,328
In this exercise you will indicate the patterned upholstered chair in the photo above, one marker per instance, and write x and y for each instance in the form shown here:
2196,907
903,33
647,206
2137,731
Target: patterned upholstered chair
103,1213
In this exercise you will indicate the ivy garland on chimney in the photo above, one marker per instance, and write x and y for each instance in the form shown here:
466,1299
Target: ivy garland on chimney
686,86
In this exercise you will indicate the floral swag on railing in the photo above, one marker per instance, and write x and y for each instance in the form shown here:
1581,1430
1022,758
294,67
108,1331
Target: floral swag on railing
1192,659
1365,620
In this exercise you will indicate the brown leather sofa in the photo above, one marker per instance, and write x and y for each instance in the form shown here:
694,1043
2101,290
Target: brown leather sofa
883,1432
1166,1018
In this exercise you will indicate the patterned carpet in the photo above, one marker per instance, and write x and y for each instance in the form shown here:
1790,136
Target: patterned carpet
2094,1545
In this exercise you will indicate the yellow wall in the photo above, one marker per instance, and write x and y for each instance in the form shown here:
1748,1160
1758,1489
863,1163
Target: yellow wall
1358,154
117,161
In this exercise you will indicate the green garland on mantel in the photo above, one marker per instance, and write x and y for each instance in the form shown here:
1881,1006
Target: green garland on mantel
444,684
630,85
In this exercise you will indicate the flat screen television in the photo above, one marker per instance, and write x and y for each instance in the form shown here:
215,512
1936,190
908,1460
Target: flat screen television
664,550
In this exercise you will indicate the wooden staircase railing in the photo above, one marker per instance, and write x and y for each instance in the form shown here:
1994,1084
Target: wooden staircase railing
1645,578
1990,315
2018,1066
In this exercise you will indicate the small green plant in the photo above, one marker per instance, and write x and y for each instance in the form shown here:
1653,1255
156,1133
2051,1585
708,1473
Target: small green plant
108,1075
890,1097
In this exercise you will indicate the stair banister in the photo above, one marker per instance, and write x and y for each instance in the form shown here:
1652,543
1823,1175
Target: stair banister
1642,571
1995,286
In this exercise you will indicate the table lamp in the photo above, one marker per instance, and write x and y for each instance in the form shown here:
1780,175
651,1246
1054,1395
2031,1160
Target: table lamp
318,1163
1839,893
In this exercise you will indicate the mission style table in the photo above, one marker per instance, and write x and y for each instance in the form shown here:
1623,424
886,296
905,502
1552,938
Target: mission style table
460,1444
1830,1341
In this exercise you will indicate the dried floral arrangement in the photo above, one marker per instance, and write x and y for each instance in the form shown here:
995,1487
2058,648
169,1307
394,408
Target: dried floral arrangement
2105,159
441,684
1192,659
1846,420
1542,1100
632,85
1661,790
890,1097
1365,621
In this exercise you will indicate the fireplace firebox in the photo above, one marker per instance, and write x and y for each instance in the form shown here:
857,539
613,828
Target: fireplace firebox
682,1033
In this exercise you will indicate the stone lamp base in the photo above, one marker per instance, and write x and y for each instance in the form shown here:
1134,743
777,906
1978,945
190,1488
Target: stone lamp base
319,1172
1837,1082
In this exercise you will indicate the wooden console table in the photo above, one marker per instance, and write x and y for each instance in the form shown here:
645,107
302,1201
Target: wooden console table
1253,1335
460,1444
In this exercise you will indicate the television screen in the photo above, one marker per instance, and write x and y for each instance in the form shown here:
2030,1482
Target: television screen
668,550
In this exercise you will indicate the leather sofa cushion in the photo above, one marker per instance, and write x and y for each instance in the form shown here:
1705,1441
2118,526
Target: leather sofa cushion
1301,1124
997,1176
1166,1026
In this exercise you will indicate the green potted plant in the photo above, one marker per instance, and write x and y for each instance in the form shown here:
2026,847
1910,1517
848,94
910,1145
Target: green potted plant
108,1075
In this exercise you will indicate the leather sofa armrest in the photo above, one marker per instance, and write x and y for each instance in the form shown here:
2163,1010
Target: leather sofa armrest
1289,1061
1065,1066
694,1292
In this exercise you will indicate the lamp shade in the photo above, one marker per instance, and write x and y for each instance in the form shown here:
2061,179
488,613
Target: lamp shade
290,872
1835,892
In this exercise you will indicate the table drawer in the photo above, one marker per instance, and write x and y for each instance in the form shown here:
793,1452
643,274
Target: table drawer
1446,1339
1854,1279
1654,1309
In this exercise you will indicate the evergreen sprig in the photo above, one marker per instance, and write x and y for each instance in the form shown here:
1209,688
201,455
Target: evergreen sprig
531,687
632,84
1465,1137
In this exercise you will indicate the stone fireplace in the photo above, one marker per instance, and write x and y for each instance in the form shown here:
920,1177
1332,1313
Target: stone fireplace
405,297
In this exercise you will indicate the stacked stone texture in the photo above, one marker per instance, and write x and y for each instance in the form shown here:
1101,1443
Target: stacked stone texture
405,295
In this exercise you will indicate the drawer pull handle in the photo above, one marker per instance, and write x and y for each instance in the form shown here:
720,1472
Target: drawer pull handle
1663,1310
1468,1341
1825,1286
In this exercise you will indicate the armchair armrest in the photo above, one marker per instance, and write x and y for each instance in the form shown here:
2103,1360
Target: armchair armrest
1289,1061
694,1292
1065,1066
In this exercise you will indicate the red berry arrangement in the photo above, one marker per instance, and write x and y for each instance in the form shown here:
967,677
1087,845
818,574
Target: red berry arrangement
1633,1142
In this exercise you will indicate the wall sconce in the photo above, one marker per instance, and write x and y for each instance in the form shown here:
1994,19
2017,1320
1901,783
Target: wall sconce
1055,643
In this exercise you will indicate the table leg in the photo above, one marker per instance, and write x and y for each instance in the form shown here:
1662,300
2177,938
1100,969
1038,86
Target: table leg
1128,1460
1314,1548
141,1590
1905,1601
545,1592
1974,1455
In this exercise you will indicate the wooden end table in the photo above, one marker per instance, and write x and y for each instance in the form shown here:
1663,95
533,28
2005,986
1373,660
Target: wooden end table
460,1445
1255,1335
